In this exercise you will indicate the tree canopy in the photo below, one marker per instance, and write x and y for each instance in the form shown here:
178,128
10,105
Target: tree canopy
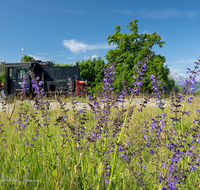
27,58
91,70
132,48
63,64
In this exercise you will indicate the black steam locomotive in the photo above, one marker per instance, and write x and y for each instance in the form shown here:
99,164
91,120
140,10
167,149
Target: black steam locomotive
55,79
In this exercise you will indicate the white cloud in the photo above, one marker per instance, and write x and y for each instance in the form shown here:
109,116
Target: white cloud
158,14
72,11
126,12
42,53
39,58
178,71
180,66
92,57
71,58
183,62
146,31
175,70
76,47
185,75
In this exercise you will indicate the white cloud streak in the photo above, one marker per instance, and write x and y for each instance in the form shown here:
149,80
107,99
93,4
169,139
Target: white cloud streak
159,14
175,70
181,72
42,53
146,31
72,11
183,62
39,58
181,65
92,57
76,47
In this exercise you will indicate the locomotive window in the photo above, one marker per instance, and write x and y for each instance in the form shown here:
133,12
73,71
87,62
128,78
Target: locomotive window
22,72
12,72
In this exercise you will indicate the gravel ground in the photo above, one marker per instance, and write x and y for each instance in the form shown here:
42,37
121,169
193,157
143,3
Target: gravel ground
152,102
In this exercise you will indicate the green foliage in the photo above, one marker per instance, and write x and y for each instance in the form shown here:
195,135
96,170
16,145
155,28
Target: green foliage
91,70
197,93
197,86
2,72
27,58
156,65
63,64
130,49
87,70
2,78
177,89
98,88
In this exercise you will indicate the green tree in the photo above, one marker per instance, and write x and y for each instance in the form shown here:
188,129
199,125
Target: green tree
91,70
27,58
99,73
132,48
87,70
2,72
63,64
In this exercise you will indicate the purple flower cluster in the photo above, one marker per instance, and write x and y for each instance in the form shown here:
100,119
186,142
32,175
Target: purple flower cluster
190,83
139,78
36,85
24,84
157,89
109,74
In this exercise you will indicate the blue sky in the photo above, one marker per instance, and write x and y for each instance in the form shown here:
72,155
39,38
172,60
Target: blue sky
68,31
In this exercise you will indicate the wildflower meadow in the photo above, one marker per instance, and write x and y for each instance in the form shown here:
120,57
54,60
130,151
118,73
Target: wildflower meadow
111,146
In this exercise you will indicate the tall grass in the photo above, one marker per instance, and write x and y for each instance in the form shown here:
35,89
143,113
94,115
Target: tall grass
110,146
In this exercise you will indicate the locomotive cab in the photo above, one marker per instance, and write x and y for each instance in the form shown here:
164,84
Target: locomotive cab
14,75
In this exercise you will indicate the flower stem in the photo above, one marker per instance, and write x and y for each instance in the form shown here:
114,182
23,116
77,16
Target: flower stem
113,165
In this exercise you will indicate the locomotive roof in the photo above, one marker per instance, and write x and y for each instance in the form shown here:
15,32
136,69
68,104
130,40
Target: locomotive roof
18,64
25,63
41,63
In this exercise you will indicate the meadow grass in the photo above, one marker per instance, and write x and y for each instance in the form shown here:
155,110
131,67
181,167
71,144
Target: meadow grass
56,162
113,147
